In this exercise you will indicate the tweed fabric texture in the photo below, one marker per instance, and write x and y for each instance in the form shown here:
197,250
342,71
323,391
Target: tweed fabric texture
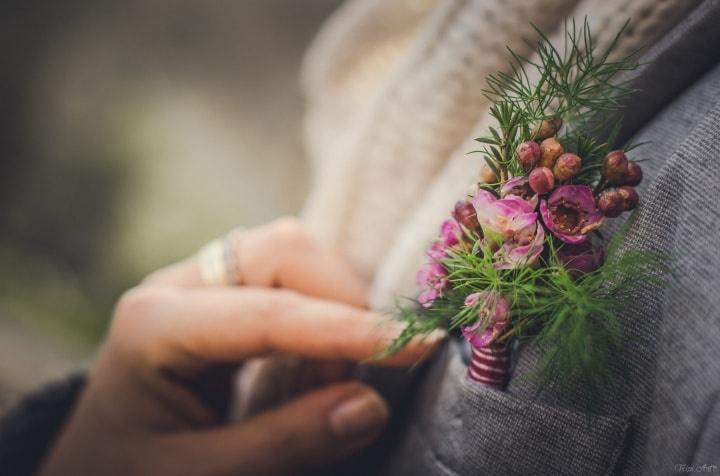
461,428
684,318
662,411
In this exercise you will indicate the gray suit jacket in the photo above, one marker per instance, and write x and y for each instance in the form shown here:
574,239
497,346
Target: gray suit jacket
663,410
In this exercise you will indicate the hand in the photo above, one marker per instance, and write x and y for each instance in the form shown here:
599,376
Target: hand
145,410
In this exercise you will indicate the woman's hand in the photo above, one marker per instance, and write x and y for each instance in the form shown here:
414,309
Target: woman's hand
147,408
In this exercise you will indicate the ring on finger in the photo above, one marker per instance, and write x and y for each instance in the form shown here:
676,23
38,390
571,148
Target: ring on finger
219,260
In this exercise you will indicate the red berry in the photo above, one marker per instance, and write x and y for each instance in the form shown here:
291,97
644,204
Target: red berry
548,128
541,180
528,154
567,166
611,203
615,166
464,213
634,175
630,197
487,175
550,150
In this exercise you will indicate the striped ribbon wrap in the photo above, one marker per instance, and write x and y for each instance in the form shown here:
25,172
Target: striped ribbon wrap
490,365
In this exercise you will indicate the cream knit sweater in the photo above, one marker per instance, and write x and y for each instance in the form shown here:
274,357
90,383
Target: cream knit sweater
394,101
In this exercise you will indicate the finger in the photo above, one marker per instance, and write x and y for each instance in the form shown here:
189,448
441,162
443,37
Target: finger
213,325
280,254
314,430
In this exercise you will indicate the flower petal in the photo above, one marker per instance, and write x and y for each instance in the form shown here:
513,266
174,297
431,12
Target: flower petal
514,254
450,232
518,203
471,299
483,198
550,224
427,297
475,336
580,194
512,184
437,252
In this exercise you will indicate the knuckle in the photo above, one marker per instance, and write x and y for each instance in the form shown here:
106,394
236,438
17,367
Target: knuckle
291,231
136,324
358,388
154,277
135,312
136,304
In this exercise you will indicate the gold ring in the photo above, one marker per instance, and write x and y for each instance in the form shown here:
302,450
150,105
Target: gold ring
219,260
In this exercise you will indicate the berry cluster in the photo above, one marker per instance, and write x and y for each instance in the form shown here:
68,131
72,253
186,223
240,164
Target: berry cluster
625,175
548,164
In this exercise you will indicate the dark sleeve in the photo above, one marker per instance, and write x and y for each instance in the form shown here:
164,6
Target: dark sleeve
29,428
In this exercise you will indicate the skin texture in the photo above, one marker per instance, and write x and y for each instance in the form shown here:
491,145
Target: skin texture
151,404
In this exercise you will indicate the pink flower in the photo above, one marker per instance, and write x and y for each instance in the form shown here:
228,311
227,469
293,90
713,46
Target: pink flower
427,297
581,259
433,278
472,299
523,250
511,224
450,232
436,252
464,213
493,315
503,218
429,274
484,338
571,213
520,187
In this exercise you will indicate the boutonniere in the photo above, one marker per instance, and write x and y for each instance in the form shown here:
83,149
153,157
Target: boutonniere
523,259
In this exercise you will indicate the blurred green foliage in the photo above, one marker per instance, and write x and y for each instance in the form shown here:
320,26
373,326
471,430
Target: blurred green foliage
132,132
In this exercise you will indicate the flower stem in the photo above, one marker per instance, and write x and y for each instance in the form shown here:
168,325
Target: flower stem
503,174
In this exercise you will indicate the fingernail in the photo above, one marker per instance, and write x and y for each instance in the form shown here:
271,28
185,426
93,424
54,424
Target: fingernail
436,336
358,416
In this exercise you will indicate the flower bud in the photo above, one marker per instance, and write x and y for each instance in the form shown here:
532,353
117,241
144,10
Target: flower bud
487,175
464,213
581,259
542,180
611,203
450,232
634,175
550,150
548,128
528,154
518,186
630,197
567,166
615,166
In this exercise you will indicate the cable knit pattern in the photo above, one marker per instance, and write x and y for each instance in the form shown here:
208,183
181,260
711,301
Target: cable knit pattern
347,65
390,163
420,115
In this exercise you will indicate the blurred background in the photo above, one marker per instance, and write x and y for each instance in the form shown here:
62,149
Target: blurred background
131,133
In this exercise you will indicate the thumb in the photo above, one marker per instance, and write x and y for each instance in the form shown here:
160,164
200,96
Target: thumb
313,430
